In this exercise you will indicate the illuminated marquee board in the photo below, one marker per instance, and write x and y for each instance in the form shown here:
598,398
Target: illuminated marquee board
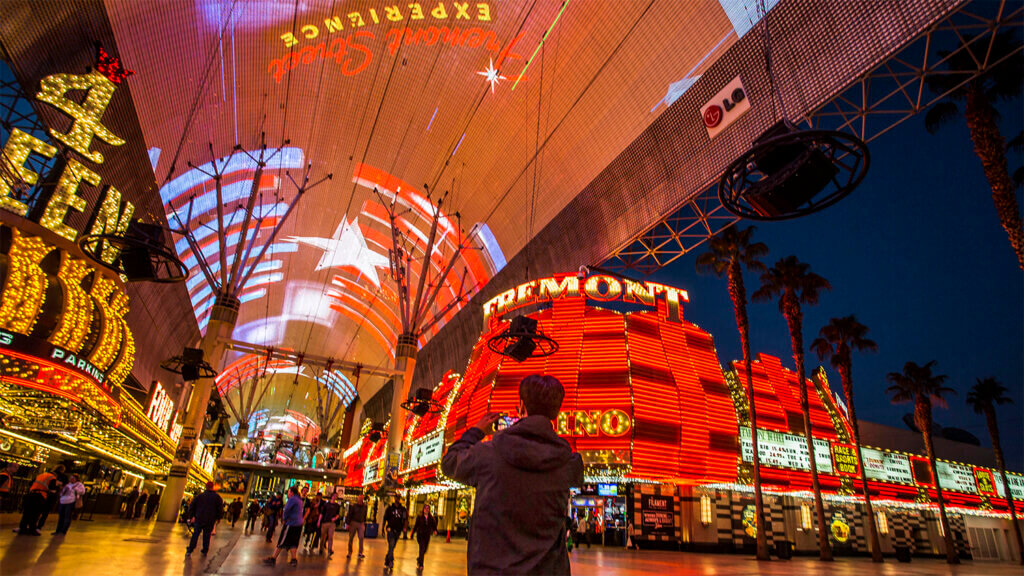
597,287
887,466
111,215
425,452
613,422
786,450
956,477
1016,485
373,471
62,324
203,459
161,407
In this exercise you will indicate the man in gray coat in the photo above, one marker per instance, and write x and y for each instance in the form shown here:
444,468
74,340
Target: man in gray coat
522,479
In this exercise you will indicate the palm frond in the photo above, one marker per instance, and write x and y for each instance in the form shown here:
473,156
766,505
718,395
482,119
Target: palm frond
940,115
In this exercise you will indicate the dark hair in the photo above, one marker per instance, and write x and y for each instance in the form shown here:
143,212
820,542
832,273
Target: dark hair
294,488
542,395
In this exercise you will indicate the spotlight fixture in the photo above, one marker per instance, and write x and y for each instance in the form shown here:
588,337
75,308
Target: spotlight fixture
790,172
143,256
190,365
522,340
422,404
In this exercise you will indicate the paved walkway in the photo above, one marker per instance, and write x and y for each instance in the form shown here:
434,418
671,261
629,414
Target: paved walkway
119,548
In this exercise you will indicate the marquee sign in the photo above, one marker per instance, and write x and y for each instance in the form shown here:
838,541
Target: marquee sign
601,287
425,452
161,407
785,450
887,466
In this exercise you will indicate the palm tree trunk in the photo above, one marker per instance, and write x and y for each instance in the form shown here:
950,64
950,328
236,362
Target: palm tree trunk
990,147
925,417
997,447
738,294
794,319
846,376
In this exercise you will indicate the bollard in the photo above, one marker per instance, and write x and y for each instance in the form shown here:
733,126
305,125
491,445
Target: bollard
449,538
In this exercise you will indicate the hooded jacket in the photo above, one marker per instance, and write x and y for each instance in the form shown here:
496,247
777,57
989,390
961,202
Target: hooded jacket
522,479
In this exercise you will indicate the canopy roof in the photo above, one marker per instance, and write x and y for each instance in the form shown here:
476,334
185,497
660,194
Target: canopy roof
506,110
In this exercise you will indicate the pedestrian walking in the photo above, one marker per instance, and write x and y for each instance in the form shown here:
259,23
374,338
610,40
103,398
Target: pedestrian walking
71,495
251,514
425,527
154,499
203,513
291,529
330,512
355,519
312,523
6,481
52,496
235,511
140,504
35,501
395,519
270,513
129,503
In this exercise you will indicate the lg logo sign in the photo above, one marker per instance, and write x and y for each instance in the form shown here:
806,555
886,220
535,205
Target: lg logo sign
725,107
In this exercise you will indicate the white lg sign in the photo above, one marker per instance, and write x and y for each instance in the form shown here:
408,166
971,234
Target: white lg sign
725,107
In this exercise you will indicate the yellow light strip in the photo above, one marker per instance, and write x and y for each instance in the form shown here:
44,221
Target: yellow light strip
37,442
133,474
119,459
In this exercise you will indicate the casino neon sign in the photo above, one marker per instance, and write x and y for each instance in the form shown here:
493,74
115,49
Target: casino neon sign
601,287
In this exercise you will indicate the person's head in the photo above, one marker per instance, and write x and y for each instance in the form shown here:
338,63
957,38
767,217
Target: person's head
398,499
59,469
334,497
426,509
293,489
209,485
74,478
540,396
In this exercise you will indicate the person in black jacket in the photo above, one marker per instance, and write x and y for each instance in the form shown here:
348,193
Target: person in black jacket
204,512
522,479
425,527
395,519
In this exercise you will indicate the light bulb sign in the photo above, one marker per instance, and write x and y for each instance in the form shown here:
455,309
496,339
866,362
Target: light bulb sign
600,287
112,214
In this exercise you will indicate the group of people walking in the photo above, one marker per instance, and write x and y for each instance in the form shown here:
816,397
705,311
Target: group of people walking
50,490
138,502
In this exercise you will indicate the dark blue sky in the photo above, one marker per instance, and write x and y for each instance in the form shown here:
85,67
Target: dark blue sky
917,253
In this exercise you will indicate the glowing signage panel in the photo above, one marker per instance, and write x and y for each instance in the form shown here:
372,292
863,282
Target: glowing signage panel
785,450
956,477
426,452
161,407
887,466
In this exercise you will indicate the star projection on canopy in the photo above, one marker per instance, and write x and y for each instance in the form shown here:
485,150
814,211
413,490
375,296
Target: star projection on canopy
491,74
346,248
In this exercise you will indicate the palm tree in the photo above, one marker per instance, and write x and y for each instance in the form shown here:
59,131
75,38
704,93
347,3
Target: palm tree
794,284
984,397
917,384
729,251
837,340
1002,82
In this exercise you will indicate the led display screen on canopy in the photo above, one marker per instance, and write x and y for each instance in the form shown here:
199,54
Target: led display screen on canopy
413,98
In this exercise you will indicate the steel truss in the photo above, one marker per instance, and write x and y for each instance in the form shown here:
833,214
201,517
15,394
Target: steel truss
872,105
17,113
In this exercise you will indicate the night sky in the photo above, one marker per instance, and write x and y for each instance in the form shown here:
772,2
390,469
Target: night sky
918,254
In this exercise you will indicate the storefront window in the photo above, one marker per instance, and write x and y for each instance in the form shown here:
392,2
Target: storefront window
805,517
705,509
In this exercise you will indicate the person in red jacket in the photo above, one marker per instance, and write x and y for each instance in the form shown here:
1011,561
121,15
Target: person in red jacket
522,479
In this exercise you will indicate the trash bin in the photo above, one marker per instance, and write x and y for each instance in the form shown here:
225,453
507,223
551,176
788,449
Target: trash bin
902,553
784,550
370,530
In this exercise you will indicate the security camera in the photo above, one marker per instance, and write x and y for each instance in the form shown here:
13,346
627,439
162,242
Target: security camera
582,272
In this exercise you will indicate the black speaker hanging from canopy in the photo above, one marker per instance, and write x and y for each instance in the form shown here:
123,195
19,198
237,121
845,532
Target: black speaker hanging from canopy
376,432
143,255
422,403
190,365
789,172
522,340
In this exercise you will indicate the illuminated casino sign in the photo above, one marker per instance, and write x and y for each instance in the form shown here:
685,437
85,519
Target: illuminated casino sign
62,323
785,450
613,422
161,407
600,287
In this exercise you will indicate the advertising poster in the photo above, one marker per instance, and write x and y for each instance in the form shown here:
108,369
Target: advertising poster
656,514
